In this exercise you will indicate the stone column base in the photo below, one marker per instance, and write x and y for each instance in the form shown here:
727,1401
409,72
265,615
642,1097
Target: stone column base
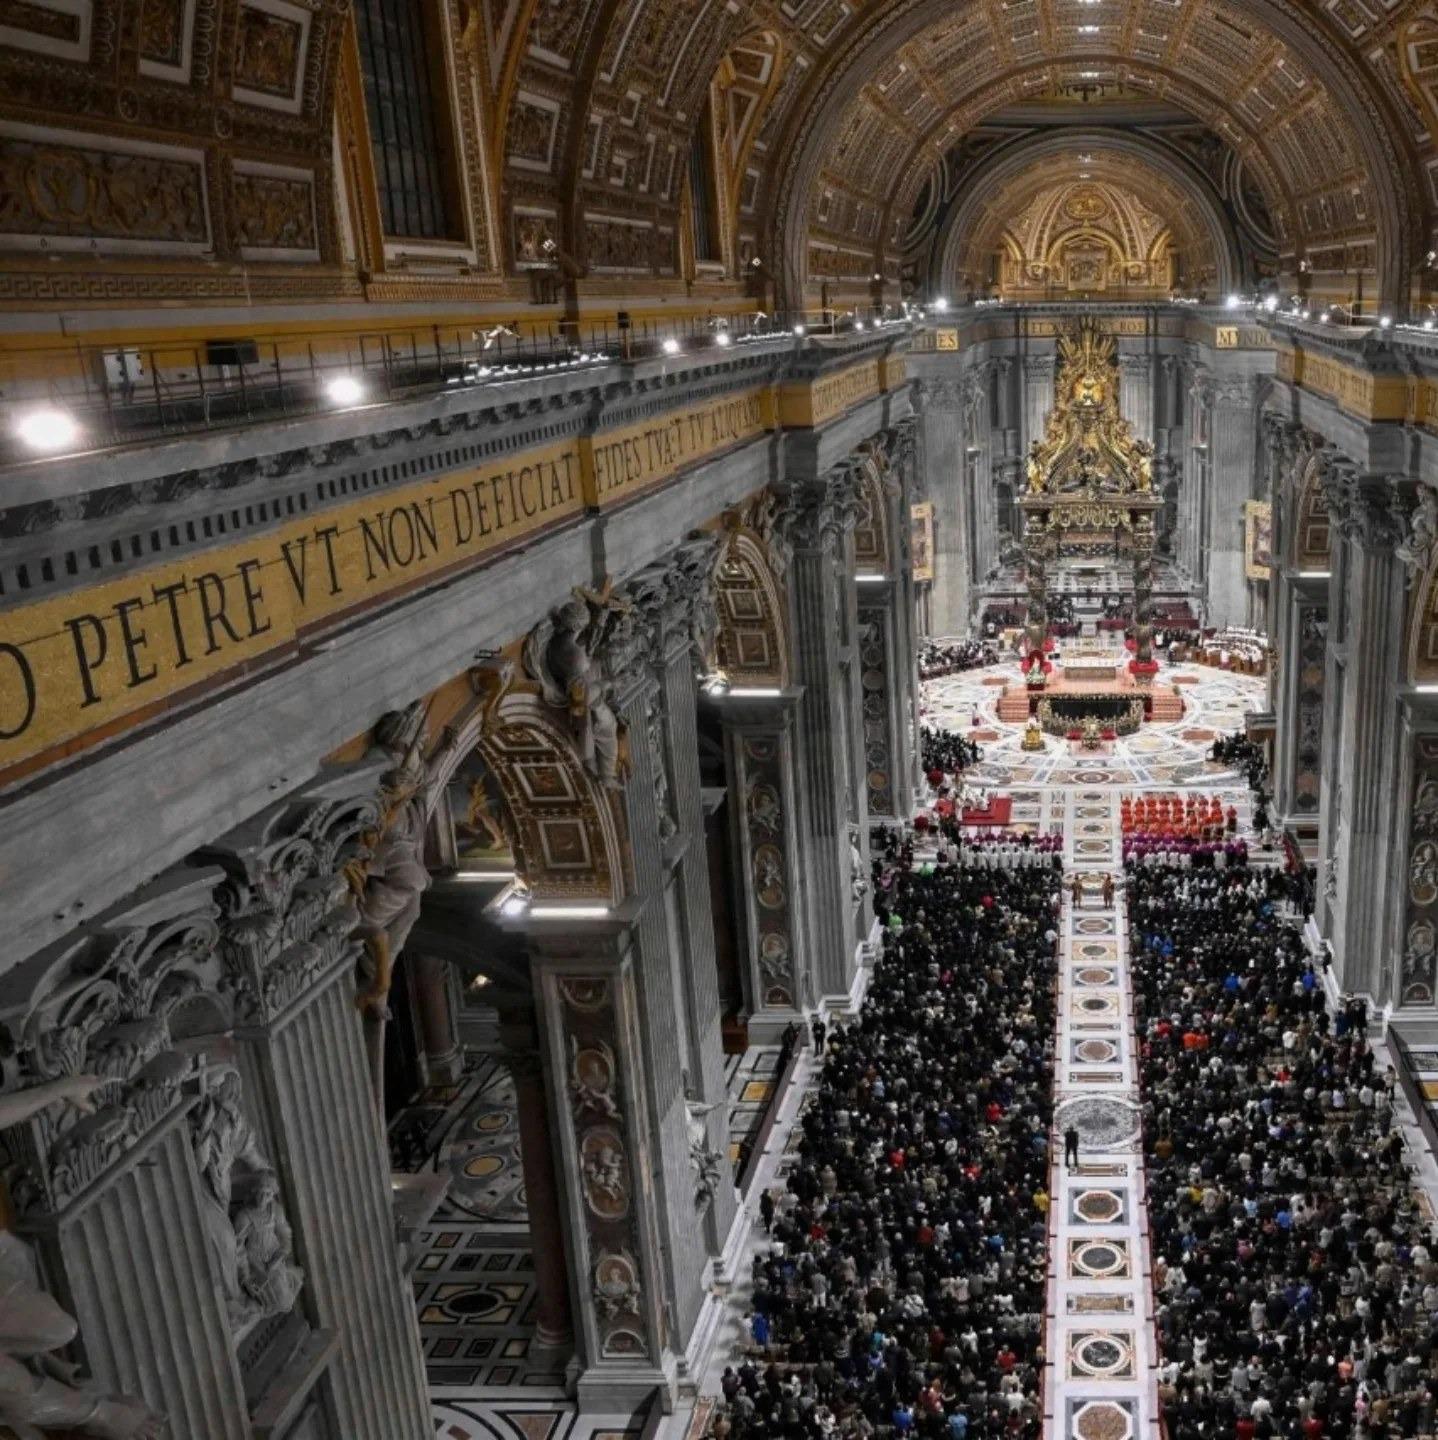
623,1392
726,1265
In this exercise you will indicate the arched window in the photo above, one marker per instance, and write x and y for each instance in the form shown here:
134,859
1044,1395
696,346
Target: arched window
402,54
704,192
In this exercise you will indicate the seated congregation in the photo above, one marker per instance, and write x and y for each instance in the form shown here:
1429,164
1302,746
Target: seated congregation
904,1290
1294,1273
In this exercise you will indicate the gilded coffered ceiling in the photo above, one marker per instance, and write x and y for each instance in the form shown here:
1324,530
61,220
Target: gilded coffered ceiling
236,133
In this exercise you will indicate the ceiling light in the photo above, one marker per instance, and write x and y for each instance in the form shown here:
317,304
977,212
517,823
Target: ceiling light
344,390
1088,29
48,429
568,912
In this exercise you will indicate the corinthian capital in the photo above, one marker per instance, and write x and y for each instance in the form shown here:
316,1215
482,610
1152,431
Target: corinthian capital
1234,390
1338,479
940,394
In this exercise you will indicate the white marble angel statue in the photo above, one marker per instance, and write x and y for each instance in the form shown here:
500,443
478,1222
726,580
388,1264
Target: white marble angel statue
565,653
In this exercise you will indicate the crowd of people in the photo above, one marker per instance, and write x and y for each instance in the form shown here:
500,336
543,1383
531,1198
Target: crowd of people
939,658
1295,1277
904,1292
945,752
1175,815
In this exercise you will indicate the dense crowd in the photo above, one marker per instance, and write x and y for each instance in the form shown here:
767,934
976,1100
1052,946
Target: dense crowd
945,752
905,1288
948,657
1295,1279
1176,815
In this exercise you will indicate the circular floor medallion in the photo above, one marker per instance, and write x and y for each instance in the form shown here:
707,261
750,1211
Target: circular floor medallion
1099,1207
1096,1052
1103,1356
1104,1122
1094,925
473,1303
1099,1259
1095,975
1094,951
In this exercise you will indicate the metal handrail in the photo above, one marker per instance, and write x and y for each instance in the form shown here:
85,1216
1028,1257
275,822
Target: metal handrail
121,393
1408,1080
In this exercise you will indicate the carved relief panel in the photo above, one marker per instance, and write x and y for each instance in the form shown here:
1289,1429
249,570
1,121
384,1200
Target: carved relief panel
1420,911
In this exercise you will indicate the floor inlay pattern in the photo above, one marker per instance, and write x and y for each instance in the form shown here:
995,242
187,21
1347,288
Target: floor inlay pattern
1100,1379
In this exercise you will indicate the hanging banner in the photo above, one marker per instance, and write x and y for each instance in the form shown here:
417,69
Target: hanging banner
1258,539
921,543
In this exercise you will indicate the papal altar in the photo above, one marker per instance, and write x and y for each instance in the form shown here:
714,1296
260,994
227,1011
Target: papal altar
1087,685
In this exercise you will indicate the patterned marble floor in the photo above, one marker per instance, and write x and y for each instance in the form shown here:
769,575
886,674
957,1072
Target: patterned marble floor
1099,1384
1159,755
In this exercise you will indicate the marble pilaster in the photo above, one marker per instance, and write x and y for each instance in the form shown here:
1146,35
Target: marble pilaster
1366,761
1038,397
587,993
135,1208
292,953
762,765
1136,394
656,635
941,420
523,1057
1232,456
821,587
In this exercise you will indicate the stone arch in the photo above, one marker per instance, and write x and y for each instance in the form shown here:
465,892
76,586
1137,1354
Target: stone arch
873,542
1423,629
1009,161
562,824
753,640
1312,529
885,30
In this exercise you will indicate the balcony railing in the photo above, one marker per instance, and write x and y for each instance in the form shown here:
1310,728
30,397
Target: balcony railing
67,399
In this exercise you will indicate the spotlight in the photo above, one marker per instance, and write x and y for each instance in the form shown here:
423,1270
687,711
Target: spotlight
1428,324
801,331
941,305
344,390
671,346
1385,322
723,338
48,429
859,325
1270,303
1233,302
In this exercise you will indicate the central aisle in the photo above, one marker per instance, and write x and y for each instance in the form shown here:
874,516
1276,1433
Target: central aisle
1100,1382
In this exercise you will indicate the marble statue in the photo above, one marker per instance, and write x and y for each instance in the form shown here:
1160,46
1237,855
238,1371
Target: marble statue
249,1235
389,883
704,1159
565,654
1416,549
39,1393
858,883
